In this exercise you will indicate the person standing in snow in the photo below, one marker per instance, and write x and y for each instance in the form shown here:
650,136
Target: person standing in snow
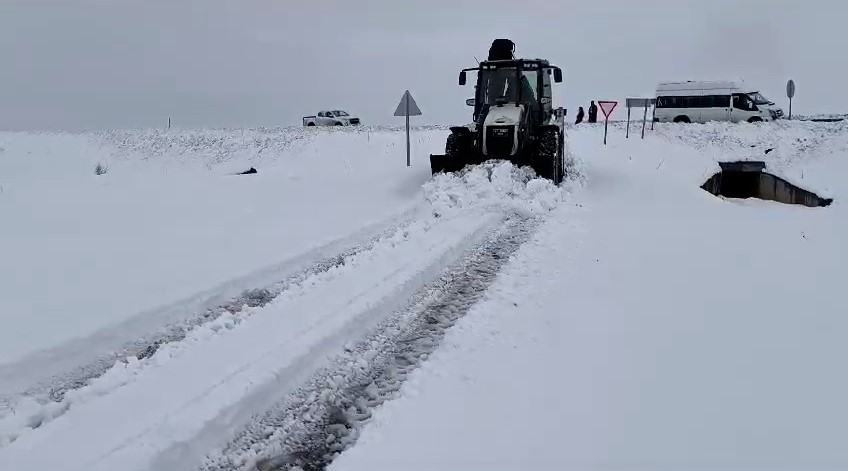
579,115
593,112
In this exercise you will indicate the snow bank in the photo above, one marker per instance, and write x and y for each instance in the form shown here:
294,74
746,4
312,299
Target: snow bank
791,142
47,156
223,150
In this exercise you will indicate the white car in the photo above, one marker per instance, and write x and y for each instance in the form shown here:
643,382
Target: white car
702,101
331,118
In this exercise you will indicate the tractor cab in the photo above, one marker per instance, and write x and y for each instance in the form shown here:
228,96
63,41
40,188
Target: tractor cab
516,82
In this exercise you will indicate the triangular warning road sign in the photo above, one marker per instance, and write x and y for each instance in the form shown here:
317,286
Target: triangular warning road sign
607,107
407,106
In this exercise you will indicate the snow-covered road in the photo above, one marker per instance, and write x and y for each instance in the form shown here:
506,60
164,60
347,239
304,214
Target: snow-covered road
381,319
173,396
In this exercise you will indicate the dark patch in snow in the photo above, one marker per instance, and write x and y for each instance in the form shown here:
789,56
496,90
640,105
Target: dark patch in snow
308,429
746,179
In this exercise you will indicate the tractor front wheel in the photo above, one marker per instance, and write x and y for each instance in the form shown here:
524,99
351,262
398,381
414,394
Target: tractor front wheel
548,159
457,148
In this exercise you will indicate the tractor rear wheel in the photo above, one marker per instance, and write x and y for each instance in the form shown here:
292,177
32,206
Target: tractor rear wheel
548,159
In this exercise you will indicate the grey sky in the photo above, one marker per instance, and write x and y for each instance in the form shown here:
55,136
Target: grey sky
83,64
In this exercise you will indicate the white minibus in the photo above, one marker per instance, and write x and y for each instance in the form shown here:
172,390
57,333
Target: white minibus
703,101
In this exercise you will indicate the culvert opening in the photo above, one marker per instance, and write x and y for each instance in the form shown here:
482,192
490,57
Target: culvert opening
749,180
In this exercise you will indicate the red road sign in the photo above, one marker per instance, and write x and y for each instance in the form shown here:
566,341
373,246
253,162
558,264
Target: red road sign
607,107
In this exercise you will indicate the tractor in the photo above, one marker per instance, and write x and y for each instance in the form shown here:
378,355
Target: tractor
513,117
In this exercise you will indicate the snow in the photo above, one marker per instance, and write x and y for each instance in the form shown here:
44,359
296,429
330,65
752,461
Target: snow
648,325
492,182
198,389
82,252
213,379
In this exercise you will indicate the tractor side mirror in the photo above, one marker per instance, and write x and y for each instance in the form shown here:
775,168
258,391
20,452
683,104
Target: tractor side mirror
470,102
462,78
557,75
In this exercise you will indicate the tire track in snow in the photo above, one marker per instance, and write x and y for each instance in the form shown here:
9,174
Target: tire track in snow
497,187
174,414
44,402
309,428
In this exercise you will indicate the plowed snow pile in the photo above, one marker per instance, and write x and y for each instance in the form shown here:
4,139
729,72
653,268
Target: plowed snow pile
502,184
492,183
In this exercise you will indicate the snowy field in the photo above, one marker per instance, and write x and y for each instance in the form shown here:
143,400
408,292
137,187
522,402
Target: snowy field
169,223
171,315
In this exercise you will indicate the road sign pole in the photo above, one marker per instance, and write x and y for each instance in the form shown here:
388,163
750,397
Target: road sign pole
644,118
606,108
407,133
790,108
406,108
627,134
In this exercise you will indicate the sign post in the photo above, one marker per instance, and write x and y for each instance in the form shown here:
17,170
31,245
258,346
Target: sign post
640,103
407,107
790,93
606,108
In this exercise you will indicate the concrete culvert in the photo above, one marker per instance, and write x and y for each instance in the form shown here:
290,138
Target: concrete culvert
746,179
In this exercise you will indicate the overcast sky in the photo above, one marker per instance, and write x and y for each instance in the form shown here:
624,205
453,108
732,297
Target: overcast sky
84,64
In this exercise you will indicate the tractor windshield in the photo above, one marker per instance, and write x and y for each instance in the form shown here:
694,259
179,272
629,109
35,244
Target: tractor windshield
508,85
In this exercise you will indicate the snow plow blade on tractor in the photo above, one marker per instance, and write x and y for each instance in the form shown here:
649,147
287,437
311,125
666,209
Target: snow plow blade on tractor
513,117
